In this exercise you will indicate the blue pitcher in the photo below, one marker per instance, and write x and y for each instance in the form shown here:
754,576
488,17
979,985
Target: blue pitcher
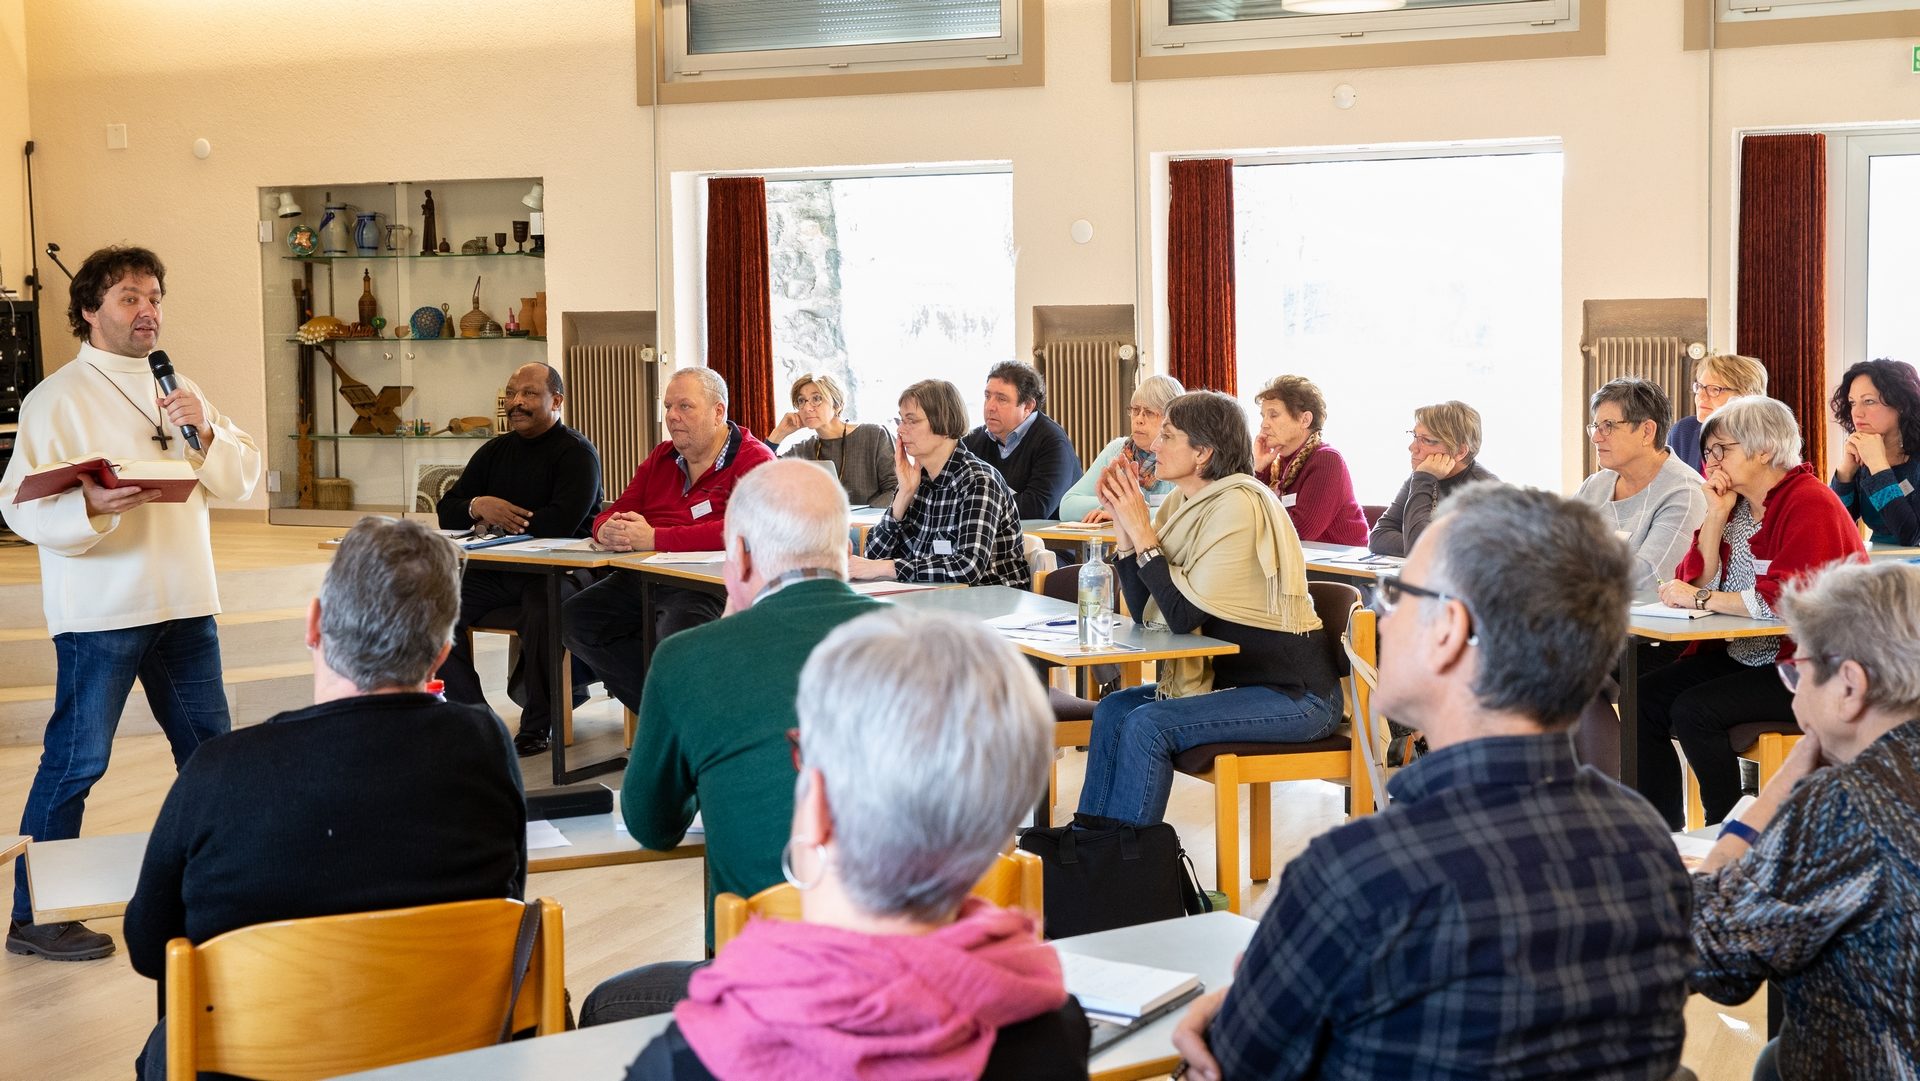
366,234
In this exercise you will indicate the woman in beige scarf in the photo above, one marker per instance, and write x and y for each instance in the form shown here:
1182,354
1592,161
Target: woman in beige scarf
1220,559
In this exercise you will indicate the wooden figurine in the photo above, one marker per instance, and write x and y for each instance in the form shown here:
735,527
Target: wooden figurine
374,412
429,241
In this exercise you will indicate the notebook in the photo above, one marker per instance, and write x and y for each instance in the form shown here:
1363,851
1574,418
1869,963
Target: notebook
1122,990
174,477
1657,610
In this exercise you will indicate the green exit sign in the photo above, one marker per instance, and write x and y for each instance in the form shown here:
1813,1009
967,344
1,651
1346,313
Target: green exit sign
1916,59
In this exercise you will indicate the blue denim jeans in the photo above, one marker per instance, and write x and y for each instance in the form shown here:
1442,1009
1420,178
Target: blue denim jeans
1136,736
177,663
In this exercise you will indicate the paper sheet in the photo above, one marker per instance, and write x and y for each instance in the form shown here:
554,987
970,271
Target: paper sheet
686,557
1657,610
544,834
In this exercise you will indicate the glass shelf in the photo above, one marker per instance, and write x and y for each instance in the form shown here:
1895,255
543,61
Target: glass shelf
410,255
414,341
333,437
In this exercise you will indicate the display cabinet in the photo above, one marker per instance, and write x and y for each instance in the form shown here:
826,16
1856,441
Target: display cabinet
383,369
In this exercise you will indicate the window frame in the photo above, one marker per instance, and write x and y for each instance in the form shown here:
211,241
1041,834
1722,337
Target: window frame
1707,26
1321,31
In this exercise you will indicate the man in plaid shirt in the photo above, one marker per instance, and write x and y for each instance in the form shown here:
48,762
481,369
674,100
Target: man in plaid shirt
953,519
1512,914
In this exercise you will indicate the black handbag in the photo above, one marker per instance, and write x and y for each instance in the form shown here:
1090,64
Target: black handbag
1101,873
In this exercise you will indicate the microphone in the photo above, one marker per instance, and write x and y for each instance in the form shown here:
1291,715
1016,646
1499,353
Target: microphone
163,374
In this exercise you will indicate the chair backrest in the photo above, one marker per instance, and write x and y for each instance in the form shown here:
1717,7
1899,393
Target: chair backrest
1361,647
1061,583
1372,512
1332,602
1014,881
328,995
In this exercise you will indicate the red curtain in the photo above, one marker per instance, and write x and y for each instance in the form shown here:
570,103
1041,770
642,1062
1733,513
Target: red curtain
1200,275
1783,274
739,299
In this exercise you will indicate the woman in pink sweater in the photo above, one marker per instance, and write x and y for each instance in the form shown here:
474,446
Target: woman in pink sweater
1309,476
922,741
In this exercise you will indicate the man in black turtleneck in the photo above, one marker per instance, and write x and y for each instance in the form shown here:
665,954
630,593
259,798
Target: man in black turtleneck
542,479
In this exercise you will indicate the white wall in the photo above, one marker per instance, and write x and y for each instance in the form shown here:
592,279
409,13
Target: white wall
331,91
14,133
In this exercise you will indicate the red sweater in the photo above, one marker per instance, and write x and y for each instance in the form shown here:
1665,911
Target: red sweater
691,520
1804,529
1320,500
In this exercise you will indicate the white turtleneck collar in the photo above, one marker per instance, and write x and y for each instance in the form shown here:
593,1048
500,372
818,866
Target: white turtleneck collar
112,362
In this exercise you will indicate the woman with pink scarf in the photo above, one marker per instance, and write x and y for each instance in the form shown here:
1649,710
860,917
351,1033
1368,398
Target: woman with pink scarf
923,740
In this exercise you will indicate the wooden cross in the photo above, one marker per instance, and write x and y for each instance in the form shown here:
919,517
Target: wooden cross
160,436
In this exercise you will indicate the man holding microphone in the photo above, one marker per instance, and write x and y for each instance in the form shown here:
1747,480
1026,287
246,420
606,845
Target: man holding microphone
128,589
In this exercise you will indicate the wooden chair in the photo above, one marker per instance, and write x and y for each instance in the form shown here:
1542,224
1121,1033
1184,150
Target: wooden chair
1372,512
1014,881
627,719
1339,757
1762,742
318,997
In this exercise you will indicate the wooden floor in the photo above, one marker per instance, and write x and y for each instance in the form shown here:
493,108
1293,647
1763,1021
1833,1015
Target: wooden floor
88,1019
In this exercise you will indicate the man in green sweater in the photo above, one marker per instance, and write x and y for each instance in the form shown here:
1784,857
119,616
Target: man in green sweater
719,700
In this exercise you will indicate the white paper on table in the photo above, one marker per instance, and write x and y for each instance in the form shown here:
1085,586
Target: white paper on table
544,834
1121,988
1657,610
883,588
685,557
1089,527
563,544
1021,621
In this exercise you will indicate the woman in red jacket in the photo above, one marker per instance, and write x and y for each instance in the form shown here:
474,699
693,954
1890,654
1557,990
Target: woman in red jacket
1309,478
1769,521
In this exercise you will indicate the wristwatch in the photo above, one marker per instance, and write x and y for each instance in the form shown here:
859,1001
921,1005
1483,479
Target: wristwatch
1701,597
1147,555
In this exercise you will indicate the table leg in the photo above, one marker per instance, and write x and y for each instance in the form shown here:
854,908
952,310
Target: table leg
560,695
1628,676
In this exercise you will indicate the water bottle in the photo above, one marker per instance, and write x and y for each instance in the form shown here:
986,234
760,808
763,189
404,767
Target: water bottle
1096,600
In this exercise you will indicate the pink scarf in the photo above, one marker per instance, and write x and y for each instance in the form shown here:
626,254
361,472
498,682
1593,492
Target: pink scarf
804,1000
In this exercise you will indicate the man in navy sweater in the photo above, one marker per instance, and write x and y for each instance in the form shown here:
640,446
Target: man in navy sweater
541,479
1022,442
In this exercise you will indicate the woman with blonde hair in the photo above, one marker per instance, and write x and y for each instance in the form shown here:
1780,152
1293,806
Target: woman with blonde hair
1446,437
862,454
1717,380
1149,409
1308,476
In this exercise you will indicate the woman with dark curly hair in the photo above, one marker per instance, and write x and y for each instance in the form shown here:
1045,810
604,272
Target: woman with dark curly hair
1878,403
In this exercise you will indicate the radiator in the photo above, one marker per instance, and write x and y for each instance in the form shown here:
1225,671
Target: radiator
1089,386
1658,360
613,398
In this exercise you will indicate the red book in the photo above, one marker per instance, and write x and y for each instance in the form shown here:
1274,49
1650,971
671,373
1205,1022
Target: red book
174,478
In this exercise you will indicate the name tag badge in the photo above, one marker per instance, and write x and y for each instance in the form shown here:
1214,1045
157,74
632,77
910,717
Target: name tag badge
942,547
1290,499
703,508
1762,566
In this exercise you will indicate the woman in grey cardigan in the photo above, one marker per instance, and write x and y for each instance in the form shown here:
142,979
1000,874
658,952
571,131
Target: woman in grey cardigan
1445,439
1651,497
862,453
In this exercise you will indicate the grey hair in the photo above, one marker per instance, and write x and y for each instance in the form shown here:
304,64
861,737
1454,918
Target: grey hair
389,603
1764,427
934,738
1868,613
1547,584
1156,392
1640,401
709,379
792,514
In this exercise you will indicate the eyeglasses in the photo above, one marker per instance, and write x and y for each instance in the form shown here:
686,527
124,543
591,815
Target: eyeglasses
1141,412
1611,426
908,422
1718,451
815,400
1789,669
1425,440
1391,586
1711,390
793,743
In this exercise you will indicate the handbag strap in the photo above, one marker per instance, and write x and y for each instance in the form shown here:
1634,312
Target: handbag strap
522,958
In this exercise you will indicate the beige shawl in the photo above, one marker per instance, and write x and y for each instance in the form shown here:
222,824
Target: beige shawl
1232,551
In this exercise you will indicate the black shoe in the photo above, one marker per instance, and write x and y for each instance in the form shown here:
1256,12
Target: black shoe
58,941
528,744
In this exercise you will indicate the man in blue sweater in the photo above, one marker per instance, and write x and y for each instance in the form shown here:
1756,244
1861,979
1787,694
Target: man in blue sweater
1022,442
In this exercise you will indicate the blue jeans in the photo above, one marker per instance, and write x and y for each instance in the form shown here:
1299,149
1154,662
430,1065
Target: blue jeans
178,664
1136,736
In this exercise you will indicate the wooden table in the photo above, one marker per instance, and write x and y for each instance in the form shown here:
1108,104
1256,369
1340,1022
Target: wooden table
993,602
1056,534
1205,944
92,877
551,564
1347,561
1883,553
1705,629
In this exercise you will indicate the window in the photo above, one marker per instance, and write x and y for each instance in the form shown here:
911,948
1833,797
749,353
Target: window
1237,25
1882,215
1737,24
1767,10
1400,282
882,281
720,39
